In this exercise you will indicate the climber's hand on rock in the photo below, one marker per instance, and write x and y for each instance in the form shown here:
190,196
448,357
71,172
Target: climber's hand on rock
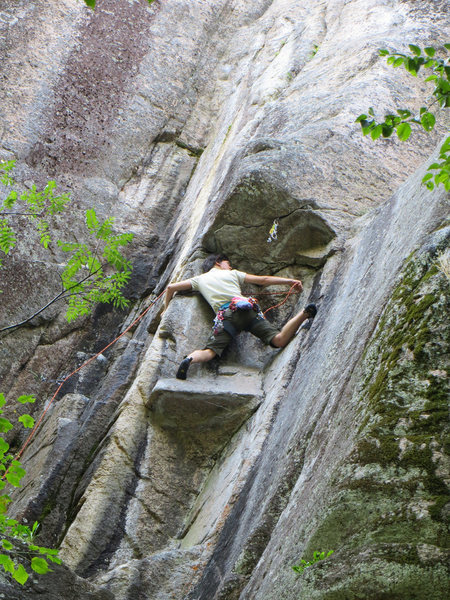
297,285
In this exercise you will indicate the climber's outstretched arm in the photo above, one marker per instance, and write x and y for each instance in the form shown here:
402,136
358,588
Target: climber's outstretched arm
271,280
181,286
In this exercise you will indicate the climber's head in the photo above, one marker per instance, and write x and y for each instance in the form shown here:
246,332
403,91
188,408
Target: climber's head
220,261
223,264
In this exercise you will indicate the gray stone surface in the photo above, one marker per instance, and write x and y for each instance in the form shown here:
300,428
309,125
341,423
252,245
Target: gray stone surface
208,411
196,124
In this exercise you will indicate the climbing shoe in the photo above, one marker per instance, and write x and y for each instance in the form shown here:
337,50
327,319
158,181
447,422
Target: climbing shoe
310,310
183,368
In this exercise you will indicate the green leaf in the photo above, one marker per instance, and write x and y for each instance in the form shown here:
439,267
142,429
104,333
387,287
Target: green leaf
2,400
91,220
4,446
40,565
15,474
398,61
7,237
383,52
11,199
5,425
387,131
376,132
45,240
50,551
411,66
428,120
427,177
404,131
362,117
441,177
447,46
105,229
7,545
298,568
366,126
445,146
415,49
7,563
26,398
404,113
27,421
90,3
20,575
13,479
54,559
430,51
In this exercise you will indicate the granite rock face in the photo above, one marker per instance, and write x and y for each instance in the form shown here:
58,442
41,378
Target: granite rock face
197,125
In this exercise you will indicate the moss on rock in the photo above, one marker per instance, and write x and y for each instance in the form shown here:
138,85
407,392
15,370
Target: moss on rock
393,496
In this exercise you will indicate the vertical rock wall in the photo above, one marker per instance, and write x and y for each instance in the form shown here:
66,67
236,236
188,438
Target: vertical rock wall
196,124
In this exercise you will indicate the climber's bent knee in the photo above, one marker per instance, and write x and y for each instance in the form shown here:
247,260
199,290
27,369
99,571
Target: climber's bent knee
210,353
202,355
278,341
218,342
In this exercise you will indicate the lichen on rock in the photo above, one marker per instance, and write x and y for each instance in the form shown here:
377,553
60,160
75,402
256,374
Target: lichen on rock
393,490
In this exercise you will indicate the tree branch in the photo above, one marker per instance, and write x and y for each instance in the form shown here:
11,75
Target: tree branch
62,294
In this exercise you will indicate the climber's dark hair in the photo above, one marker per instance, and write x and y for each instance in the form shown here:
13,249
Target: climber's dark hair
212,259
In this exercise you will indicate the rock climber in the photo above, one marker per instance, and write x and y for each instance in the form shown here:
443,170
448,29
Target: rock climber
220,285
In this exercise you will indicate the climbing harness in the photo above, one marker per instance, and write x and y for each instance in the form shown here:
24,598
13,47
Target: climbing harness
236,303
273,233
240,303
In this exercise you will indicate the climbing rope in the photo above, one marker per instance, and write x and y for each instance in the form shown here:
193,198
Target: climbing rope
290,291
39,421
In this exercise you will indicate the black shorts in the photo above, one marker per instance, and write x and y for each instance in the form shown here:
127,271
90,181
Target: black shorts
241,320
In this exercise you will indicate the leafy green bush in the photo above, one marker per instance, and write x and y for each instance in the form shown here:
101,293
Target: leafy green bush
94,272
402,121
16,539
304,564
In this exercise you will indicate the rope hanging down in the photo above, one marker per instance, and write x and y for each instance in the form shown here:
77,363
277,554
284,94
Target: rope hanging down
33,431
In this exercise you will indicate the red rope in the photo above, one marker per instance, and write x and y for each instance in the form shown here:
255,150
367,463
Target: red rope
281,303
33,431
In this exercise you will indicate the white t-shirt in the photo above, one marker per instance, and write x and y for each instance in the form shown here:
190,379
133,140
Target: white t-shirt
218,286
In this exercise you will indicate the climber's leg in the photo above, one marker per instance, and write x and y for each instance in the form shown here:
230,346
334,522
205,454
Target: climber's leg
288,330
202,355
194,357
